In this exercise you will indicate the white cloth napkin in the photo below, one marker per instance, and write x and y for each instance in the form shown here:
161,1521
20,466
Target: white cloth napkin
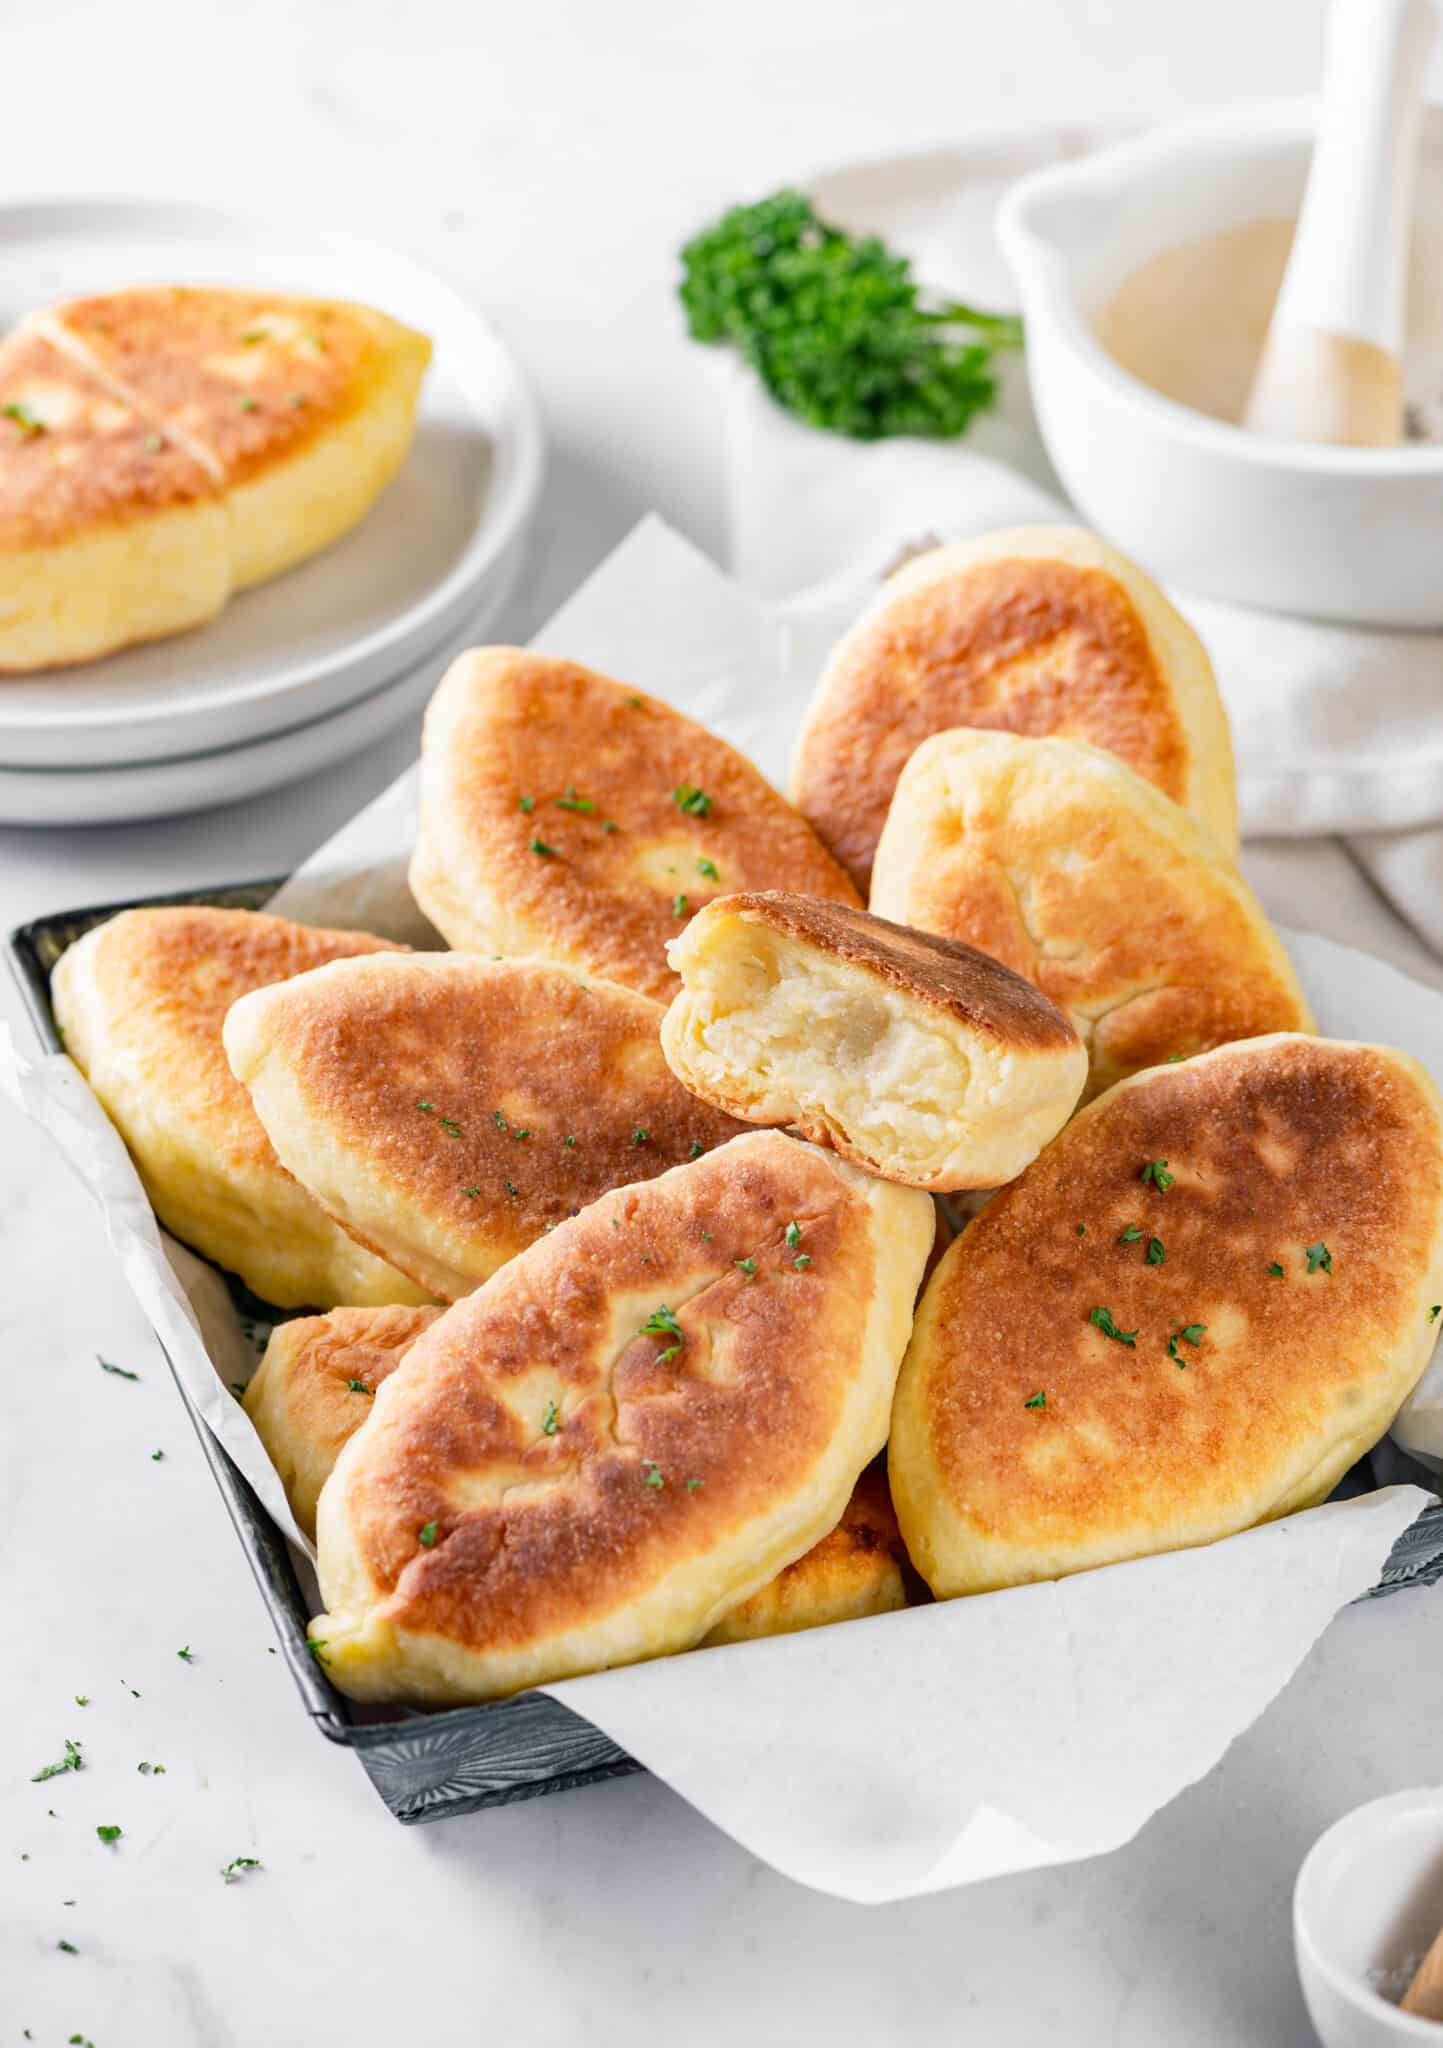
1338,731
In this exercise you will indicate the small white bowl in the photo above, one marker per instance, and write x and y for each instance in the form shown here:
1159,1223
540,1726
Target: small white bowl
1367,1904
1352,534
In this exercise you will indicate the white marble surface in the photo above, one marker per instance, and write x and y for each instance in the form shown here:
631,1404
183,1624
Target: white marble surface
549,158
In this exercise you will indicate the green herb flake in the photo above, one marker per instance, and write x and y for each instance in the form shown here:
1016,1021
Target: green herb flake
71,1761
82,1699
692,1485
232,1870
1037,1400
187,1655
610,825
472,1194
1082,1230
426,1536
526,803
678,906
633,703
653,1472
1434,1312
695,802
802,1261
568,1141
746,1267
120,1371
1275,1270
156,1456
154,443
67,1948
640,1135
1101,1319
157,1770
1319,1257
108,1835
501,1123
1130,1235
1155,1253
358,1387
697,1148
572,802
793,1234
539,846
249,404
1190,1333
551,1420
317,1647
1156,1172
27,421
707,869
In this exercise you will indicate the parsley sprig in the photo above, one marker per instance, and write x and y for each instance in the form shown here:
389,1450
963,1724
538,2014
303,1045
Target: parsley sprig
836,326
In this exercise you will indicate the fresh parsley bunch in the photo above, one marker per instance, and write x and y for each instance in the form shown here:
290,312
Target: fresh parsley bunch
835,326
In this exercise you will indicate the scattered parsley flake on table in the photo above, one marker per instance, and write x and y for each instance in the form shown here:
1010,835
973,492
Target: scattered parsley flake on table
121,1372
71,1761
232,1870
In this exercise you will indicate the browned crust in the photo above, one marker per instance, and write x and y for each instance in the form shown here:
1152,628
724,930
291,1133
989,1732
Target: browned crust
168,977
1275,1145
162,345
1025,645
94,463
512,725
945,974
537,1534
537,1084
860,1567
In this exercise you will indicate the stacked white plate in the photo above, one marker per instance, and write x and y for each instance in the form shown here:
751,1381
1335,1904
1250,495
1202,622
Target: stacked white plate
317,664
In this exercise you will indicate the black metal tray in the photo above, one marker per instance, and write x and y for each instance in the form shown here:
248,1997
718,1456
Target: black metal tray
428,1765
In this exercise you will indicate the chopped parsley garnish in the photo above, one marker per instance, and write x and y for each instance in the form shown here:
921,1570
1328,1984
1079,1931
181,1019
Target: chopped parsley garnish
151,1770
1130,1235
472,1194
1101,1319
640,1136
249,404
523,1131
746,1267
23,417
540,846
67,1948
802,1260
692,1485
610,825
1190,1333
1155,1253
653,1472
501,1120
695,802
108,1835
1156,1172
1319,1256
662,1322
678,906
119,1370
1275,1270
551,1420
82,1699
1082,1230
511,1189
572,802
187,1655
568,1141
71,1761
696,1149
707,869
358,1387
633,703
793,1234
426,1536
526,803
1434,1312
317,1647
1037,1400
232,1870
156,1456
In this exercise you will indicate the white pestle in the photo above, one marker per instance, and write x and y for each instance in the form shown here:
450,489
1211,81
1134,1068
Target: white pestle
1331,367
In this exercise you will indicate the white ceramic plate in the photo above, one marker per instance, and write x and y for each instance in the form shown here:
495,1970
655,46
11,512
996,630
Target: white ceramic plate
192,782
361,614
